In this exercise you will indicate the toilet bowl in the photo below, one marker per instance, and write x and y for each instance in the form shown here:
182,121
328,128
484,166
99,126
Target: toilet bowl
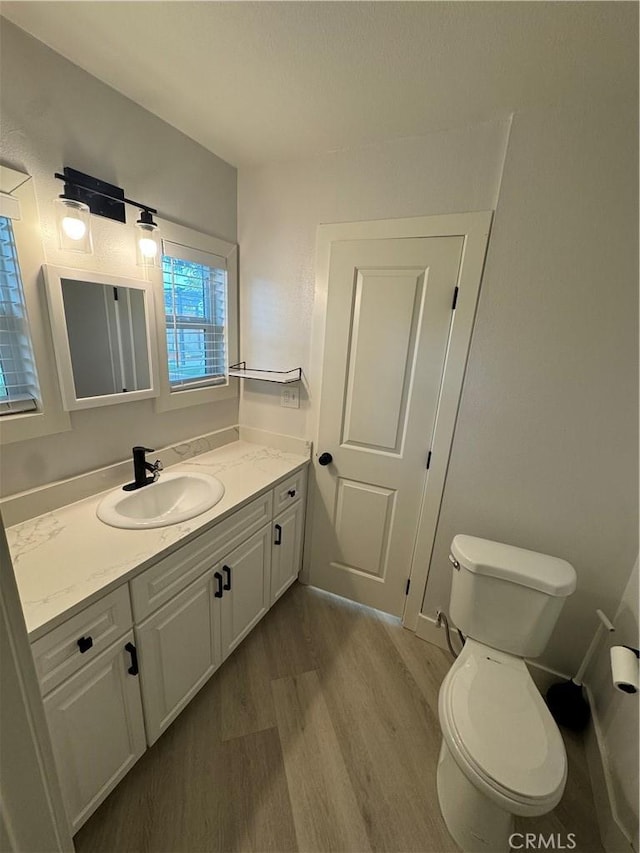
502,753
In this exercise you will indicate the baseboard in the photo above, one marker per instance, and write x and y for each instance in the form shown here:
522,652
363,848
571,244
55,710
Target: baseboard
286,443
614,838
34,502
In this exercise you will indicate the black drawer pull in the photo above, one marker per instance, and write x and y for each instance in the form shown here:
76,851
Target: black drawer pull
227,583
218,592
278,539
133,669
292,493
84,644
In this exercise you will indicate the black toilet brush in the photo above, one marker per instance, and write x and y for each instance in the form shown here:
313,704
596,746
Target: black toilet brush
566,700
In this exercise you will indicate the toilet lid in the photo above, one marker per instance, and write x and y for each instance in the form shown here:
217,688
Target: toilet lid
503,727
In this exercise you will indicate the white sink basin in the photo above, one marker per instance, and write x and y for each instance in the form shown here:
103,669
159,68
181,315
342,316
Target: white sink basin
174,497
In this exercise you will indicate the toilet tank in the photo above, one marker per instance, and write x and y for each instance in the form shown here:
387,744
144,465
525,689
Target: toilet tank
507,597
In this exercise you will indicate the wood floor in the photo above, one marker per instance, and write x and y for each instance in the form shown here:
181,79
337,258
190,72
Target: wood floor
320,733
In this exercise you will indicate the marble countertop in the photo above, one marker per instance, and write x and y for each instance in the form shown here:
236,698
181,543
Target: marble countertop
65,559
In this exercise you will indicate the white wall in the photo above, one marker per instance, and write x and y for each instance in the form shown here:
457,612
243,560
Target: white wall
280,206
545,455
616,714
54,114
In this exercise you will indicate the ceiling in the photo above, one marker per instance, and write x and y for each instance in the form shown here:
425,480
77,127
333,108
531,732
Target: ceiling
263,81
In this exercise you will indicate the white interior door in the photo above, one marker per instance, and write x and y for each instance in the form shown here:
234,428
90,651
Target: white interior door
389,312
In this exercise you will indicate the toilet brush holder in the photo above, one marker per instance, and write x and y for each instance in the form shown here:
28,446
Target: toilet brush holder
566,700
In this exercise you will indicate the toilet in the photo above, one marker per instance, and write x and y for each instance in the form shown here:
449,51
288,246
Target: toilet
502,753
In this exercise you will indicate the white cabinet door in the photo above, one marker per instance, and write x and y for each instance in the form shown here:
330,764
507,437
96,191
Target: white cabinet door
286,553
97,731
179,649
246,577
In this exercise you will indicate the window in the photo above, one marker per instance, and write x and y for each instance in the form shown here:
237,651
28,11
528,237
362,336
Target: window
195,301
18,381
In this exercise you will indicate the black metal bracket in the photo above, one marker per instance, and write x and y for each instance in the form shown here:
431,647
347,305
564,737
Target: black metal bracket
288,376
102,198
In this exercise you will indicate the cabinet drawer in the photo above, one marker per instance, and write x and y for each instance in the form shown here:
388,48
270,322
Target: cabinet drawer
289,490
161,582
58,654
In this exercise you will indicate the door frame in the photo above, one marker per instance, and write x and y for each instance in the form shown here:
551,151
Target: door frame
474,228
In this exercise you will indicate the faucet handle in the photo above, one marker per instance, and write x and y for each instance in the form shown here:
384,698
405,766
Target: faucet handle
158,466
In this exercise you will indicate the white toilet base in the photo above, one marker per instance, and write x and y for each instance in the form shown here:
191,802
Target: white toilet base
474,821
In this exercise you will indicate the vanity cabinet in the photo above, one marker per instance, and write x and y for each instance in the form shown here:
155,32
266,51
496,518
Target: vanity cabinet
176,621
97,730
286,554
179,648
246,574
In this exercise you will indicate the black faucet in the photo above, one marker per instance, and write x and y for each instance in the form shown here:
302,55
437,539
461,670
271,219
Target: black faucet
140,468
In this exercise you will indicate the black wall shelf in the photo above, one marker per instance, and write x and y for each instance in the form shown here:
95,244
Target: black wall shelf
282,377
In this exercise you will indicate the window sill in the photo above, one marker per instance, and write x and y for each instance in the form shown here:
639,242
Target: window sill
185,397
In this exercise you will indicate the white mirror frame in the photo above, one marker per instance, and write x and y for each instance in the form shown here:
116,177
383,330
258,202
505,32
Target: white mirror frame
54,276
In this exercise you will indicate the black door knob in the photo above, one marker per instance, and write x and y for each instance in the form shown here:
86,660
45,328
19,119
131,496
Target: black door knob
325,459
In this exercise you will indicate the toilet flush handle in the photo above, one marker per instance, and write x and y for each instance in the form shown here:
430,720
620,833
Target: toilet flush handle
454,562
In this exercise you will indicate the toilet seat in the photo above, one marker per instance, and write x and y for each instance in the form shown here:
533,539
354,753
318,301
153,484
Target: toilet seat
500,732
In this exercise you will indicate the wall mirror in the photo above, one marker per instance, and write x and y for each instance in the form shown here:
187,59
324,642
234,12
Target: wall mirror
103,335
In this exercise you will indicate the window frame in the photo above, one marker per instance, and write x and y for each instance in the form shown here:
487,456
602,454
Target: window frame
21,393
170,398
50,418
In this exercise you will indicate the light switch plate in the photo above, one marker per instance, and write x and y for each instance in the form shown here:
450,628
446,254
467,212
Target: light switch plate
290,398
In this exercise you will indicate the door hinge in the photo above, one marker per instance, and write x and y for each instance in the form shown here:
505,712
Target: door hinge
406,589
455,299
428,459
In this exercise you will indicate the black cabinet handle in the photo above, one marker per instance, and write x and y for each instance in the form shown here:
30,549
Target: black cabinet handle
325,459
292,493
133,669
278,539
227,583
218,592
84,644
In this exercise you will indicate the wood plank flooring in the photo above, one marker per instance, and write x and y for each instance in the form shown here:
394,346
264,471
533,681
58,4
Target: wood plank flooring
320,733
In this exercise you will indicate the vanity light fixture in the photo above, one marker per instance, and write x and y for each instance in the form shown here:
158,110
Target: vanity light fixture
148,251
74,225
83,195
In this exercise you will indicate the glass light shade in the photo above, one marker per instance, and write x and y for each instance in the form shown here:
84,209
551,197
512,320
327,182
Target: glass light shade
74,225
148,252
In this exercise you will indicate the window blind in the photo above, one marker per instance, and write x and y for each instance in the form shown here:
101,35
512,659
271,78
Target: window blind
18,380
195,298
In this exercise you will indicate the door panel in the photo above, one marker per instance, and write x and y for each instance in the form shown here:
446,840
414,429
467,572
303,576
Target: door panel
286,552
389,313
363,520
179,647
386,311
97,732
247,600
